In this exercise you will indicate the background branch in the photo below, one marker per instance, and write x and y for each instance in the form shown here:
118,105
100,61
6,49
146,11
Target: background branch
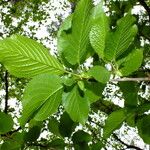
131,79
127,145
143,3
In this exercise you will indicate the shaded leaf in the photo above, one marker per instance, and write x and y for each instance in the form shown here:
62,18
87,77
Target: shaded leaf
53,126
6,123
33,134
57,144
80,137
93,91
143,126
117,42
130,63
130,93
66,126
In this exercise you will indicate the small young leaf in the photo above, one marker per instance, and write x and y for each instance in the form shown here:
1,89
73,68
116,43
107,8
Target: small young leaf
41,98
100,74
24,57
6,123
76,106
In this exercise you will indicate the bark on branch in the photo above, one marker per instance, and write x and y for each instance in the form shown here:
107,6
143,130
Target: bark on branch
131,79
147,8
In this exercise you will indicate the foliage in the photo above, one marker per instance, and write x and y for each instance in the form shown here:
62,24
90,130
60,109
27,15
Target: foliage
89,32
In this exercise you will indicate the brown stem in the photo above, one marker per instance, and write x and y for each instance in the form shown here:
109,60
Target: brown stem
131,79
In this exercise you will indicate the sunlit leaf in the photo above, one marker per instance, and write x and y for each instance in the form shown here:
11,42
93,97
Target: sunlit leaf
24,57
76,106
117,42
99,30
41,98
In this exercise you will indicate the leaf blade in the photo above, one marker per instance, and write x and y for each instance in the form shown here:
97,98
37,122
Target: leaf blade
99,30
77,40
76,106
117,42
41,98
24,57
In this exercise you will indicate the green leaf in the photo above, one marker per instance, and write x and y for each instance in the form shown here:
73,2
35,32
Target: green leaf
24,57
113,122
6,123
68,81
93,90
66,25
143,125
66,126
130,93
57,144
143,108
97,146
76,106
81,85
99,30
80,137
130,63
100,74
74,45
53,126
41,98
11,145
14,142
117,42
33,134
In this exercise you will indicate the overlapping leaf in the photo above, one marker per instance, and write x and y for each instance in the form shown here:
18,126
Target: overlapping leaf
6,123
74,45
76,106
113,122
99,30
130,63
24,57
117,42
143,125
100,73
41,98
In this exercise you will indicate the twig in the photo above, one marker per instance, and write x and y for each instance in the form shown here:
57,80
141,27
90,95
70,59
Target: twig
131,79
6,90
127,145
143,3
